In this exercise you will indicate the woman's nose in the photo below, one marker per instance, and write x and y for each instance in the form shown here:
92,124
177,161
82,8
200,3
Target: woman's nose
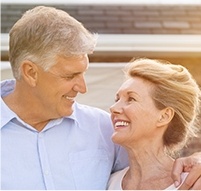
116,108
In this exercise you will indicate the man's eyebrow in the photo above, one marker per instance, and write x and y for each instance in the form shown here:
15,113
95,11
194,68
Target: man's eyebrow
75,73
72,74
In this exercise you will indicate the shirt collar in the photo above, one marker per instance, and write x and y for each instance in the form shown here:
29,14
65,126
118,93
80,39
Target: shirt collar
73,115
7,114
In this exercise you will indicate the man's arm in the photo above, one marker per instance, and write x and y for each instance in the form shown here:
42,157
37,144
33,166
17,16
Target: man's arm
191,164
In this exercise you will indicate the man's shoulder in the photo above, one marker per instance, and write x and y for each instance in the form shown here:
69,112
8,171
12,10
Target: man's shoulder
7,86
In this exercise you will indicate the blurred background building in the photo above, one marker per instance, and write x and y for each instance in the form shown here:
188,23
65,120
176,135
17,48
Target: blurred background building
160,29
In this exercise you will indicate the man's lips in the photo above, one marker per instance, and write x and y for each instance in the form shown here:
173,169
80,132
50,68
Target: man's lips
70,98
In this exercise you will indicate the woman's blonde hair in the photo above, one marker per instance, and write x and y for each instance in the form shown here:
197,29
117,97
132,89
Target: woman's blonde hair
43,33
174,87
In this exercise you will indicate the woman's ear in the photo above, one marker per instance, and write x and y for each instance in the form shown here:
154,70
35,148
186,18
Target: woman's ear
29,72
165,116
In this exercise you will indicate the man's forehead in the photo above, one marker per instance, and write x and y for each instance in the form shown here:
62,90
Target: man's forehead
75,64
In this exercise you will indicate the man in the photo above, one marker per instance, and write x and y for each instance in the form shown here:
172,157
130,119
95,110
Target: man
48,140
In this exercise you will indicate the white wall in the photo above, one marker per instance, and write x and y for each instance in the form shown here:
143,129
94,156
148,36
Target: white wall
148,45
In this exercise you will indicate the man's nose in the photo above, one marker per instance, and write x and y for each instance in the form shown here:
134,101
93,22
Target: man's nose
80,85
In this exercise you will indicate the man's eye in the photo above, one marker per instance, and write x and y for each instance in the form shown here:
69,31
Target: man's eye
69,77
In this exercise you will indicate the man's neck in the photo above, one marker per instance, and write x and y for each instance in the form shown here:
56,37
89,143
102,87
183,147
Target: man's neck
26,110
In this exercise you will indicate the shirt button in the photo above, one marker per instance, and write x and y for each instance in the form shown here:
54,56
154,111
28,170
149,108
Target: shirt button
46,172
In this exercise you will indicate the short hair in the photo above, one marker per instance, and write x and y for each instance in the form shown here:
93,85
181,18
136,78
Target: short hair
43,33
174,87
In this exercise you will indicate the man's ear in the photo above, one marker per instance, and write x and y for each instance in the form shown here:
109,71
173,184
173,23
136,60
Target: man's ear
29,72
165,116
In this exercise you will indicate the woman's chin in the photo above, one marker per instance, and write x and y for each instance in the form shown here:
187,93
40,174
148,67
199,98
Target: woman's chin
116,138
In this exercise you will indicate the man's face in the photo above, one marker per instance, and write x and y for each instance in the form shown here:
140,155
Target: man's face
58,87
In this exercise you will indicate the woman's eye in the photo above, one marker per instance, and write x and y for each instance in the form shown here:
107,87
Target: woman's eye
116,99
131,99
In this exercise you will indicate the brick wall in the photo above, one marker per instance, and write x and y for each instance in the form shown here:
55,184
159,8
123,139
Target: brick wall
121,19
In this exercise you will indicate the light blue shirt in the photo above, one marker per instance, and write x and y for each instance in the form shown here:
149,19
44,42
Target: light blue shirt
74,152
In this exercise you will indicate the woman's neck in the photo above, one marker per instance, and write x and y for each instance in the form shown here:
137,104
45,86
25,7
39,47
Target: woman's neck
149,169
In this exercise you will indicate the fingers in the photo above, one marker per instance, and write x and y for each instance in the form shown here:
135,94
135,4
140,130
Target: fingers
178,167
191,164
193,180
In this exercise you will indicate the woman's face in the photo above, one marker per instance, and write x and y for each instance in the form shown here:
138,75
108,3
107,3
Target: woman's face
134,114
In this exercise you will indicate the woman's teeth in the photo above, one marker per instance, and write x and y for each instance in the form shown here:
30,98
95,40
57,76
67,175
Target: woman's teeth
121,123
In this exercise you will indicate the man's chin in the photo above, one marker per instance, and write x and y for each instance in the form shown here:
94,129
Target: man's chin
68,113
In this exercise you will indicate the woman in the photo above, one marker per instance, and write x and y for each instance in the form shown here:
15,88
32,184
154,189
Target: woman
154,115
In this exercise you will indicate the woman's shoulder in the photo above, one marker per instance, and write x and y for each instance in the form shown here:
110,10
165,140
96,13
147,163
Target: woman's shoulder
116,179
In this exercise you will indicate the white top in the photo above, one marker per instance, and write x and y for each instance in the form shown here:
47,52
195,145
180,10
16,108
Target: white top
115,182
